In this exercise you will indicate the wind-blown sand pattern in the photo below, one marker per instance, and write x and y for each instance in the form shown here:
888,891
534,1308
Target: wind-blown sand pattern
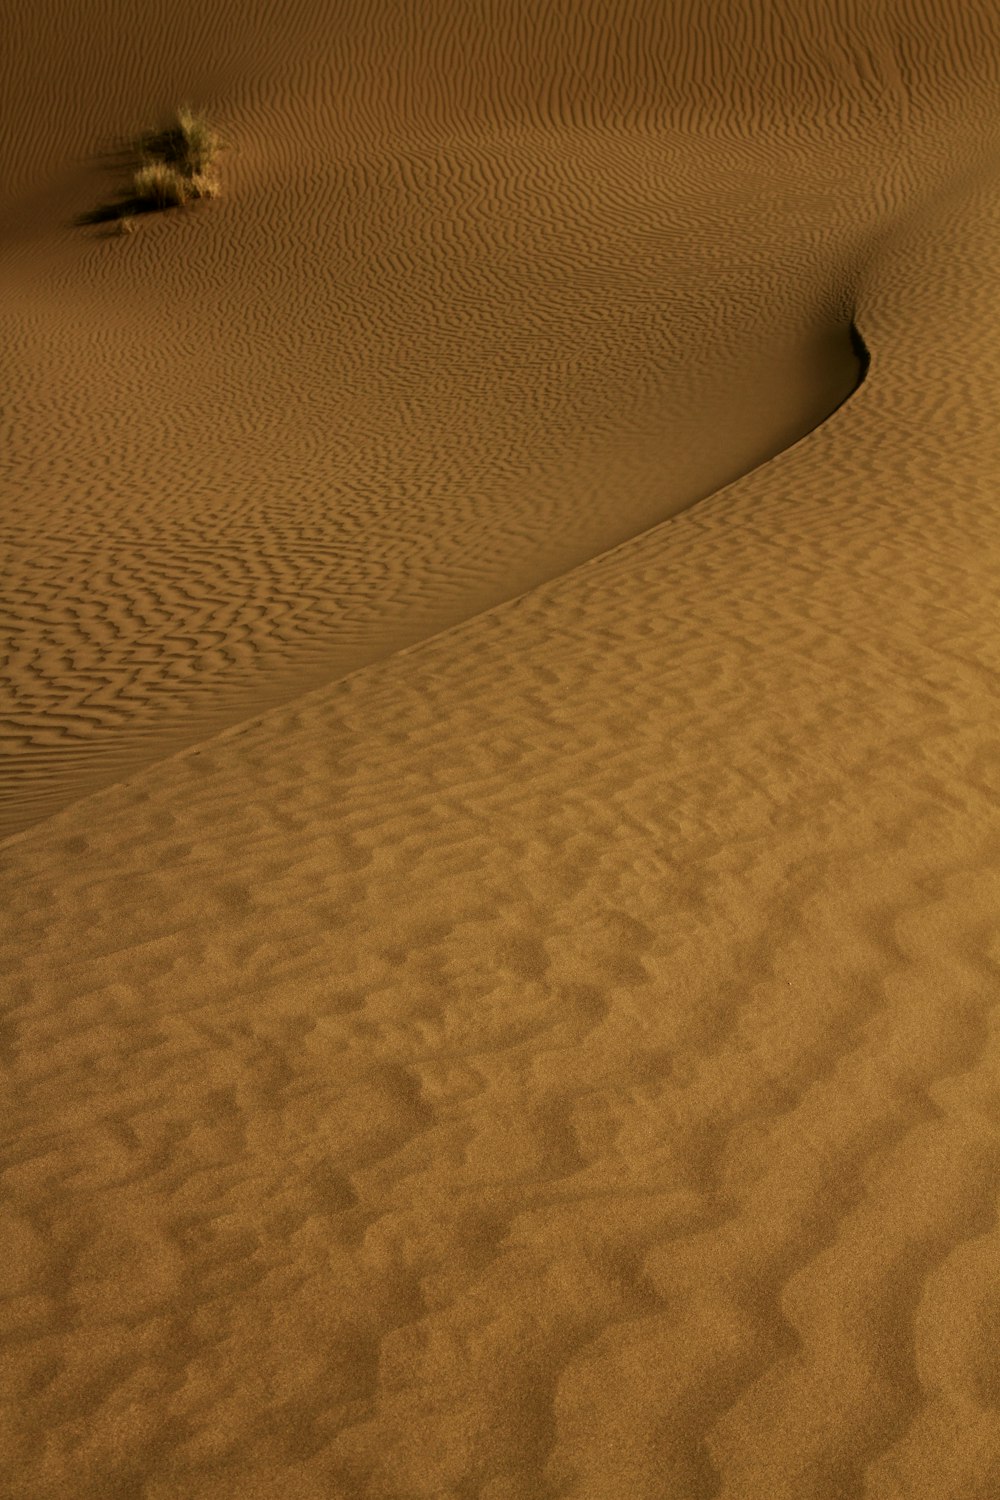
499,912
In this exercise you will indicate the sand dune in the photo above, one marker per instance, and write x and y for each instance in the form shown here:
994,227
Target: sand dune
481,301
499,912
243,469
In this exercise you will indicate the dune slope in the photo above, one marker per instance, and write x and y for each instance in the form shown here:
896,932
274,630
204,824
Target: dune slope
558,1058
487,293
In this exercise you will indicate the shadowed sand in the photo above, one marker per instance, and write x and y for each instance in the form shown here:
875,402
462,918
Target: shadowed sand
501,950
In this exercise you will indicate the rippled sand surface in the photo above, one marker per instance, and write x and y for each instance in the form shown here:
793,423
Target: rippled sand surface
500,887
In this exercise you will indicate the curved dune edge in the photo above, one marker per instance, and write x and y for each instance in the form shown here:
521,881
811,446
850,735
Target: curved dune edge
559,1061
163,588
32,798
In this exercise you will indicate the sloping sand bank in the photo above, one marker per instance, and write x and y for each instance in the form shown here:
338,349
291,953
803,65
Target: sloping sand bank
487,293
557,1059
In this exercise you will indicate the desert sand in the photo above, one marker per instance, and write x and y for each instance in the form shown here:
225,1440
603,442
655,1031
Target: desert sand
500,864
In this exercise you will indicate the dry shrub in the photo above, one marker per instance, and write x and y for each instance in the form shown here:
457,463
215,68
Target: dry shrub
167,168
159,186
189,144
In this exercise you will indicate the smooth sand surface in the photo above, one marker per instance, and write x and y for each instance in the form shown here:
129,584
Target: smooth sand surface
500,915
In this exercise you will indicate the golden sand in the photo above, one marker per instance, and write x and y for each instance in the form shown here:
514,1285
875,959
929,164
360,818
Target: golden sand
500,903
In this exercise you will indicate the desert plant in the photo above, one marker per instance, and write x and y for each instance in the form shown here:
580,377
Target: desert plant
198,141
203,185
157,185
177,163
169,167
189,144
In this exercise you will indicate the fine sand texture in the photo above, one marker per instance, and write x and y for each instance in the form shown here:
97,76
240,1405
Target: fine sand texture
500,875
